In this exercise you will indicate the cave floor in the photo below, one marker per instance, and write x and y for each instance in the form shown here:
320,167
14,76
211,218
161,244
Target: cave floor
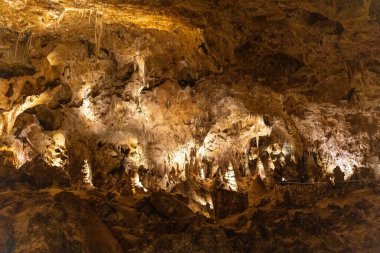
86,220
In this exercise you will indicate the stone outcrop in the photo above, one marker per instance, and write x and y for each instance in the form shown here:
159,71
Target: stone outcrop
229,202
62,223
170,207
39,174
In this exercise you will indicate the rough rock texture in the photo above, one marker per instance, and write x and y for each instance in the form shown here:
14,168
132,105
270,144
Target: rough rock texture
229,202
89,221
169,81
126,98
62,223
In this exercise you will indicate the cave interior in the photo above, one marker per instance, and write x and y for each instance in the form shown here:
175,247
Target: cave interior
189,126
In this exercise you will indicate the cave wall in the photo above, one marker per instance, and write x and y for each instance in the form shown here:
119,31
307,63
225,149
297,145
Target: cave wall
164,89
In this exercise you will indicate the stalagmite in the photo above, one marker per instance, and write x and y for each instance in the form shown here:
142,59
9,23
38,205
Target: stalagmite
230,178
253,153
260,169
136,183
287,149
276,149
281,159
87,173
293,159
270,164
202,173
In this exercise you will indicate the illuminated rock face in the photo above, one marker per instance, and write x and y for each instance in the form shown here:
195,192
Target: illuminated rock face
188,96
180,95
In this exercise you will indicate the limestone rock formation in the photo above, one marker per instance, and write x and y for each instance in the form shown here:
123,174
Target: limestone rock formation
189,125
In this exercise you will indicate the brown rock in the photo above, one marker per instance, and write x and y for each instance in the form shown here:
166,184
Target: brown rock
229,202
6,235
334,242
49,119
169,206
41,175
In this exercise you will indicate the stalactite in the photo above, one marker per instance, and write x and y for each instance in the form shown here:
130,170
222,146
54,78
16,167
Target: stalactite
2,123
60,18
362,71
16,48
27,47
141,67
257,141
98,33
10,118
89,16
